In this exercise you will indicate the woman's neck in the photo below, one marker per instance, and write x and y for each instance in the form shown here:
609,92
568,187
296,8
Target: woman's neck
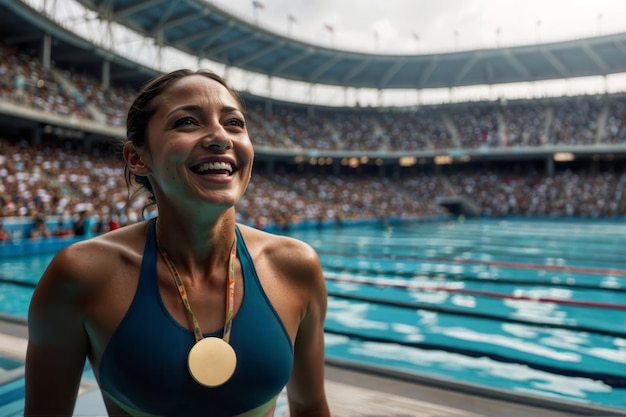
197,248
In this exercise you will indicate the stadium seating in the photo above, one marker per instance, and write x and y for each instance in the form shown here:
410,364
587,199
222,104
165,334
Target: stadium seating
54,179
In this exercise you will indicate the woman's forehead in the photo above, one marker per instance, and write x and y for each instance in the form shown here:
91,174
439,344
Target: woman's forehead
198,89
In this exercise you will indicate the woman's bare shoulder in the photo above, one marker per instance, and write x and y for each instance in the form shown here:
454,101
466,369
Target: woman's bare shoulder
86,262
291,258
83,277
279,247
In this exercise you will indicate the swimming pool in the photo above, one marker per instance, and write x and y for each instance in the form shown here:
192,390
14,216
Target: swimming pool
532,307
11,387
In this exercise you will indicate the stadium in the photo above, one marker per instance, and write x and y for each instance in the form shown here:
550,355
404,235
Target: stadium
365,181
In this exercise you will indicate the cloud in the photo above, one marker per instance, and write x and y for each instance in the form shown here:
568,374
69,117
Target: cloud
396,21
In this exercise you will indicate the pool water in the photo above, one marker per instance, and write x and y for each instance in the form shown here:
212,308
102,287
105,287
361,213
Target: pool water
18,275
527,306
8,364
533,307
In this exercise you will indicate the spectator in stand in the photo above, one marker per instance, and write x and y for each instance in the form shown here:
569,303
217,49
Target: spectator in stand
82,224
62,230
113,223
39,229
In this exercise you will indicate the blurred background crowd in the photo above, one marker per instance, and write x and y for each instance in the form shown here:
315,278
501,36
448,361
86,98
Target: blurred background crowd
85,189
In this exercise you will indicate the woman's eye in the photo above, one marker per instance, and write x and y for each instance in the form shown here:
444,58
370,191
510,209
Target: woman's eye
236,122
185,121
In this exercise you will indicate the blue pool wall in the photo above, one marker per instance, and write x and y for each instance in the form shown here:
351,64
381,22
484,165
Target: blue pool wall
20,245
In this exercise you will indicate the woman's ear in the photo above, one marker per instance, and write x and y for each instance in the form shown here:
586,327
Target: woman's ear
134,160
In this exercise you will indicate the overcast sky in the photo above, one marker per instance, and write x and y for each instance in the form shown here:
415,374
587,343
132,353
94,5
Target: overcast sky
395,27
410,26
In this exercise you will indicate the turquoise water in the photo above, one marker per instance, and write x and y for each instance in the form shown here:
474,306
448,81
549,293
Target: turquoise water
14,298
11,387
532,307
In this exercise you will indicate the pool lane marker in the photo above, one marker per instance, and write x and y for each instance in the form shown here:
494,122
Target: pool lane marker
409,286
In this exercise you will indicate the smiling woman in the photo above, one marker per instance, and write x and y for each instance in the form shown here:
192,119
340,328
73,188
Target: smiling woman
200,127
158,307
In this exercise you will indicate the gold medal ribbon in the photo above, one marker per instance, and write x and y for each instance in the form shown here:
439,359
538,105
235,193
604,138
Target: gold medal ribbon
230,292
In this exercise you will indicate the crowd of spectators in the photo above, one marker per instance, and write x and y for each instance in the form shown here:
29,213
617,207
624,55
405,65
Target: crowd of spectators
525,124
24,80
616,123
87,191
43,181
70,184
575,122
583,120
111,102
586,192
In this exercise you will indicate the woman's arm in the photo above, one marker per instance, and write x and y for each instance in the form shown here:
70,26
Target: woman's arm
306,387
57,341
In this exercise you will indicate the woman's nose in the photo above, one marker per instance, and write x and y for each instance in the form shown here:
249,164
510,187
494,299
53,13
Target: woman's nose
217,138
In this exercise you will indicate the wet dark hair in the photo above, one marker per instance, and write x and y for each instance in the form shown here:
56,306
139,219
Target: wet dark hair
144,107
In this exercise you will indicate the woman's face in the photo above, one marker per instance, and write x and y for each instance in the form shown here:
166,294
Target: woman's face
197,147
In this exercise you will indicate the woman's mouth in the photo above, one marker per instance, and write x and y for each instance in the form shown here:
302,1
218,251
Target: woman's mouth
213,168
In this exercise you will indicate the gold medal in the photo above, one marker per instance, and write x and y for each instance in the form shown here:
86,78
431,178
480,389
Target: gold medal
211,361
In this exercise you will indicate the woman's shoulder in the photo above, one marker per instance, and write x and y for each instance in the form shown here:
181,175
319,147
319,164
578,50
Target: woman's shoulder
86,261
287,256
277,246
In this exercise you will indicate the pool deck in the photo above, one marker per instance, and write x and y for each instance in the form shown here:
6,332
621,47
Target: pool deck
354,392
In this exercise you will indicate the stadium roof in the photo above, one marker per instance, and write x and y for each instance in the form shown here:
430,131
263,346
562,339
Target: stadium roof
202,29
25,28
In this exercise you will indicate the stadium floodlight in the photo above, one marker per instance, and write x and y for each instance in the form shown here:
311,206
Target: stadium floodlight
563,157
407,161
443,159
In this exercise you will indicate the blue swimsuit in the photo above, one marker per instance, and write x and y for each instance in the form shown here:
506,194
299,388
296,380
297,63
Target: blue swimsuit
144,366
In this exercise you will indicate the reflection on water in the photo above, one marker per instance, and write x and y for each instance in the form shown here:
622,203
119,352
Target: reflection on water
512,376
517,307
